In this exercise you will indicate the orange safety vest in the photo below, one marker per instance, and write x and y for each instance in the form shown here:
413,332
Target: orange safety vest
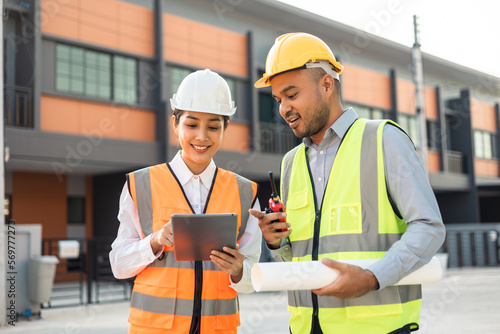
172,296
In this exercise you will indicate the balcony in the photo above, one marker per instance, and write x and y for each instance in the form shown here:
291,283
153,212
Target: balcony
18,106
276,138
455,162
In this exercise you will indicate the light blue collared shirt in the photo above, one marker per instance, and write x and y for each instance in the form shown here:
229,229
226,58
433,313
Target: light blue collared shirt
408,187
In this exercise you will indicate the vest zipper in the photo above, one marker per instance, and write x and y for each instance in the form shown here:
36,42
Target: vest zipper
315,247
198,284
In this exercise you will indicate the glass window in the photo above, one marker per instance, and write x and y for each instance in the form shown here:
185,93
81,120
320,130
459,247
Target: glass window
363,112
410,125
124,79
268,108
478,144
76,210
178,74
87,72
368,112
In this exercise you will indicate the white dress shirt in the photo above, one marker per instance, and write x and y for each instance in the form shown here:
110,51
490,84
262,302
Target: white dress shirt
130,254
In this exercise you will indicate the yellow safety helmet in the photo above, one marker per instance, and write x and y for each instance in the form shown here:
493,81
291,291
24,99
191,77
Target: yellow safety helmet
298,50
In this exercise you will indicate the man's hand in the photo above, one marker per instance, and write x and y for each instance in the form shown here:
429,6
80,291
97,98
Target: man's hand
231,263
163,237
269,228
353,281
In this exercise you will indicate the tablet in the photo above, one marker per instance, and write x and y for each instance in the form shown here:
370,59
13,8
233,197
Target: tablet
196,235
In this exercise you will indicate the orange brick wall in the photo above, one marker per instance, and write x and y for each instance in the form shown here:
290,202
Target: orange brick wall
433,161
365,87
483,116
430,103
39,198
204,46
488,168
407,102
109,23
88,118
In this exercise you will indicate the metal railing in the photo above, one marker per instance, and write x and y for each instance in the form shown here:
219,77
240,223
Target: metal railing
455,162
18,106
87,279
472,245
276,138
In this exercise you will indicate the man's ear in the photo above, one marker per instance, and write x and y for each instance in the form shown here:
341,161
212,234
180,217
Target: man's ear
328,84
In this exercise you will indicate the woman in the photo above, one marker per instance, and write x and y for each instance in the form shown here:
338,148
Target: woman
187,297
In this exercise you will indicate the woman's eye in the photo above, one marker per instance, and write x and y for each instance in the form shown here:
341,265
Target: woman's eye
213,128
191,125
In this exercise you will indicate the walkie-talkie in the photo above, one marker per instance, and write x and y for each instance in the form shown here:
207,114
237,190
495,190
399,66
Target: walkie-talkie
275,204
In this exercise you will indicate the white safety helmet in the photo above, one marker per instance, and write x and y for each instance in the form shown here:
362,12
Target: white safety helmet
204,91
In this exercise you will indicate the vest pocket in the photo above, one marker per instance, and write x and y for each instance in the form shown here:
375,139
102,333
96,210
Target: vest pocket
345,219
298,211
374,304
297,200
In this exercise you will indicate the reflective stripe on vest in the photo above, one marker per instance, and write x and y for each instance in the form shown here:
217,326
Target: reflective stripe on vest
163,292
357,222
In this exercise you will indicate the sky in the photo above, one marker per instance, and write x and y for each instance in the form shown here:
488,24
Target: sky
460,31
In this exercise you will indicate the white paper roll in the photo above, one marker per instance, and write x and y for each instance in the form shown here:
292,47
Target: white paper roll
305,275
308,275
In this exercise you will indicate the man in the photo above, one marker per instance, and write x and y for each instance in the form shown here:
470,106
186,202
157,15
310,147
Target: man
354,189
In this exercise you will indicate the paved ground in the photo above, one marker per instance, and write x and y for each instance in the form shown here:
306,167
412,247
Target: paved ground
465,301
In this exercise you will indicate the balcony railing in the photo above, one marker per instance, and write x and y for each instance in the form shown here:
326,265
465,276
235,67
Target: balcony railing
455,162
276,138
18,106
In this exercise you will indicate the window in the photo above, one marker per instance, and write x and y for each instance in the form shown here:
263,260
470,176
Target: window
410,125
433,135
368,112
178,74
484,144
76,210
85,72
124,79
268,109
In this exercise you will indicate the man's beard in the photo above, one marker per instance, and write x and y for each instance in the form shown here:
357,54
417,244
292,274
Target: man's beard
321,114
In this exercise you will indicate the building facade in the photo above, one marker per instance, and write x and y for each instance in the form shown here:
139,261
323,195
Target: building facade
88,82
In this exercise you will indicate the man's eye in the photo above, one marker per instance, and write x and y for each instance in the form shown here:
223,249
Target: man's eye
292,96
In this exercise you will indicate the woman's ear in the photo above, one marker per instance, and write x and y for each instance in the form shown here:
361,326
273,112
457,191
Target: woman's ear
175,126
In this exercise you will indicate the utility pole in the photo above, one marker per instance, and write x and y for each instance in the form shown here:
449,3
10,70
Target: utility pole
3,259
418,80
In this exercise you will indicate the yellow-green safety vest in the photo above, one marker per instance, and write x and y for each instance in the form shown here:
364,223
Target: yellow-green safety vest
355,221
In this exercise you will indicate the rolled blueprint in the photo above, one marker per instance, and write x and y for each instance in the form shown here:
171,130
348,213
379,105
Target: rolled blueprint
308,275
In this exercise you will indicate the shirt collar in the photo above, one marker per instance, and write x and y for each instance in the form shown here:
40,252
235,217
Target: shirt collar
184,175
339,127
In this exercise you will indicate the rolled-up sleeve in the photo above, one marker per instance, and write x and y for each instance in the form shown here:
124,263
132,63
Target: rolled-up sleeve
413,197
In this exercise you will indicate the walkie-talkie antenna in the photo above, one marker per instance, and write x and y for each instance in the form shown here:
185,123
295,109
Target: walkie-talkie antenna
274,193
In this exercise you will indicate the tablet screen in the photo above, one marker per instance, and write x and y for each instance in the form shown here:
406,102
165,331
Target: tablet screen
196,235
